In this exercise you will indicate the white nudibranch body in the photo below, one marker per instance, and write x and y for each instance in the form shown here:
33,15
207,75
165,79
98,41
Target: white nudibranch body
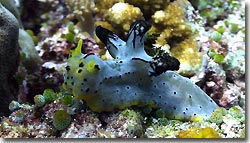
134,78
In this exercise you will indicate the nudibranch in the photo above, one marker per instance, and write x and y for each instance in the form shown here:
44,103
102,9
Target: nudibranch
134,78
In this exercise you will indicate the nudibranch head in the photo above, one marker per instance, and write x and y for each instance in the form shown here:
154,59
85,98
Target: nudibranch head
134,78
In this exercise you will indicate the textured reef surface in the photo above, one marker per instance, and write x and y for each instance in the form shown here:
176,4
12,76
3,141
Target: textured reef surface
122,69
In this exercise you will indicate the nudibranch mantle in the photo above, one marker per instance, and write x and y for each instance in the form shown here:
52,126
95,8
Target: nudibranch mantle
133,78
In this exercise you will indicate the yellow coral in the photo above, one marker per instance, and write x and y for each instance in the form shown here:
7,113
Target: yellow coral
177,31
187,53
199,133
102,6
148,7
121,15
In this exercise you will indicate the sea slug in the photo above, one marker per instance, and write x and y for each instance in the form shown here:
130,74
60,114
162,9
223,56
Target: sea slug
134,78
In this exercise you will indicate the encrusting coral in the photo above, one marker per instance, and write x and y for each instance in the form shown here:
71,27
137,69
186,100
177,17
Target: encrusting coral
199,133
134,78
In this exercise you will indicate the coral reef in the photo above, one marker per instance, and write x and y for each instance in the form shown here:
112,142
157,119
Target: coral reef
215,10
82,10
232,126
122,15
178,25
210,51
148,7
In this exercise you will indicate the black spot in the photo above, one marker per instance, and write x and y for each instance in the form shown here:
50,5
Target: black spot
154,86
105,78
127,87
97,67
87,90
71,77
140,79
103,100
120,61
165,103
72,83
65,83
184,112
135,93
200,107
163,83
194,114
120,76
96,91
211,100
110,77
174,92
190,96
174,108
67,77
117,90
159,96
85,79
81,64
82,83
67,68
100,82
80,70
186,108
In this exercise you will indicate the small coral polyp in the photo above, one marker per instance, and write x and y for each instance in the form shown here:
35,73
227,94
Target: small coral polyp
134,78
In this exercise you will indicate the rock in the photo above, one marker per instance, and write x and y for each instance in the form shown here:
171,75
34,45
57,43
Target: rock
9,53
